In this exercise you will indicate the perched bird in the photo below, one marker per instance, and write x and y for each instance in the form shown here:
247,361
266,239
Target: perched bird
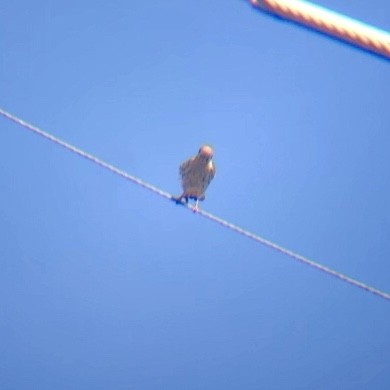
196,174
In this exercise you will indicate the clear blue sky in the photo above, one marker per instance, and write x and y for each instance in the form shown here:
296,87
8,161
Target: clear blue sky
106,286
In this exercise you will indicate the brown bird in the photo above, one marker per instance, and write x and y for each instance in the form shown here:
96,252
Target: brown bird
196,174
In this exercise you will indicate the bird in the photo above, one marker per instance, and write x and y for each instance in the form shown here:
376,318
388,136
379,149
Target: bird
196,174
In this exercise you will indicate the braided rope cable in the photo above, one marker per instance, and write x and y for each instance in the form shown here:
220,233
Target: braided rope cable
202,213
330,23
85,155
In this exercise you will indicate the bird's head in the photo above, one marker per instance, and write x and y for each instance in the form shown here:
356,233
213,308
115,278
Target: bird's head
206,152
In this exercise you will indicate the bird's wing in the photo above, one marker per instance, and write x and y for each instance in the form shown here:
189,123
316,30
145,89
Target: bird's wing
185,167
213,170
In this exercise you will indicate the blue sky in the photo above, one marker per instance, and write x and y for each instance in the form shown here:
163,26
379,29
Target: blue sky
104,285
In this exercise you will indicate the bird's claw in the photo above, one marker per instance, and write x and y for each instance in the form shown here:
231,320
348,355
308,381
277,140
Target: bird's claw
183,200
177,199
196,207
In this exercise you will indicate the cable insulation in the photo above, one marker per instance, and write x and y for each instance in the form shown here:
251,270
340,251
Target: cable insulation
330,23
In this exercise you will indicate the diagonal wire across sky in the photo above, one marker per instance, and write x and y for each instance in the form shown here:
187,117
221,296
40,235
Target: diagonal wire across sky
205,214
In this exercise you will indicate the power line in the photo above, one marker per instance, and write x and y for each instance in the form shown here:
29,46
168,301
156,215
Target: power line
330,23
86,155
205,214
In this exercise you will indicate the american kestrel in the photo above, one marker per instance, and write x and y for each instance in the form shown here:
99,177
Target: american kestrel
196,174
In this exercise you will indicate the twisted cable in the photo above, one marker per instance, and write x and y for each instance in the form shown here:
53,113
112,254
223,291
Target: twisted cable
330,23
205,214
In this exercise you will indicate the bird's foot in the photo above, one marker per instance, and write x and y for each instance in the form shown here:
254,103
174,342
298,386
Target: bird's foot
195,209
177,199
180,199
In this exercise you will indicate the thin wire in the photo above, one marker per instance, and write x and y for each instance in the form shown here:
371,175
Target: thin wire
86,155
203,213
329,22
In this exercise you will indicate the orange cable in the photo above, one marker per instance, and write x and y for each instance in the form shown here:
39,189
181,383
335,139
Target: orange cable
330,23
